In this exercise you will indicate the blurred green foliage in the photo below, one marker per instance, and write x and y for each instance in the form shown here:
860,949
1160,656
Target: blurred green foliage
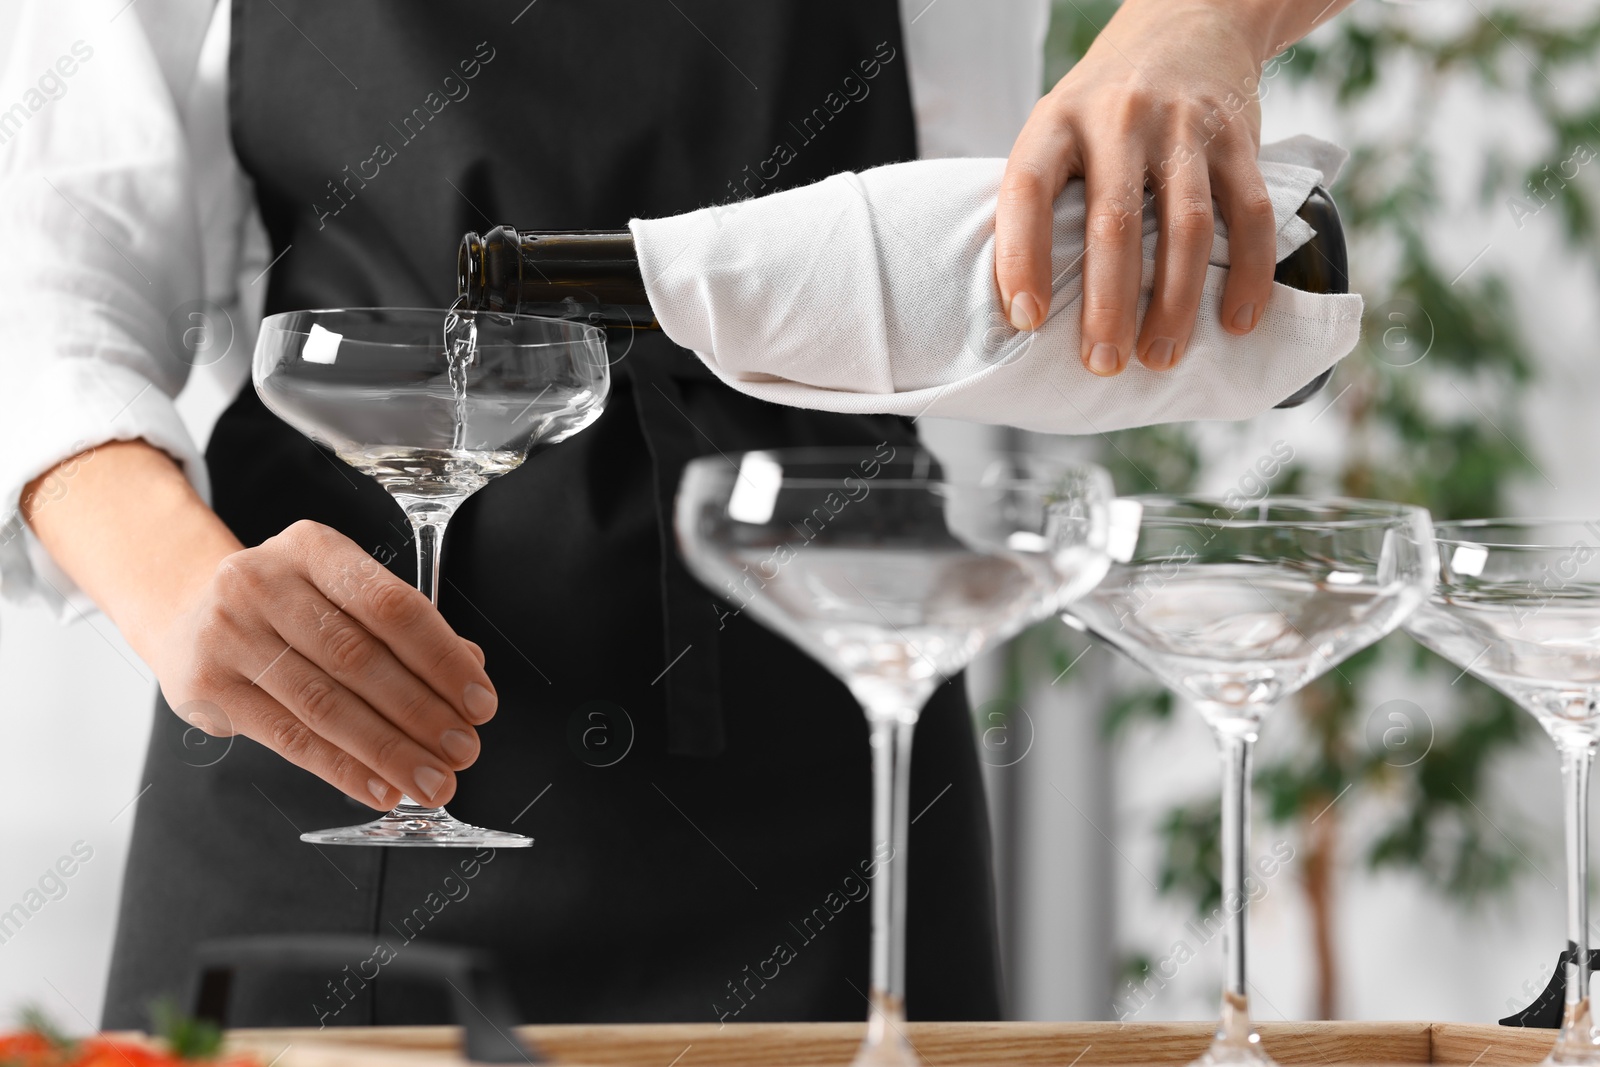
1428,403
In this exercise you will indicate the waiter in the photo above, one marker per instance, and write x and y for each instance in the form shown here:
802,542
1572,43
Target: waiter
721,809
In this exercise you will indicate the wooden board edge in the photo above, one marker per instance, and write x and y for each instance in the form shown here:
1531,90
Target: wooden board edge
1468,1044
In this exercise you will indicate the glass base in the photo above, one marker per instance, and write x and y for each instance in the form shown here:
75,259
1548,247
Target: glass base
1229,1054
1577,1041
412,824
1237,1044
885,1044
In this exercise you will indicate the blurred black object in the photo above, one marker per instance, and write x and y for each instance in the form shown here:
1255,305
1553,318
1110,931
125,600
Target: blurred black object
1546,1010
482,1004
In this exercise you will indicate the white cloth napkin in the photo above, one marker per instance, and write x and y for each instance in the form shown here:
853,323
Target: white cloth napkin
874,292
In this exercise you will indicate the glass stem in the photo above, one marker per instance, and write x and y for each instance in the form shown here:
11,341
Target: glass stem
427,529
891,824
1577,1041
1236,1038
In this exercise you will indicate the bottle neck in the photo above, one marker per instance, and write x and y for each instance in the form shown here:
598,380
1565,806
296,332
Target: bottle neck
589,275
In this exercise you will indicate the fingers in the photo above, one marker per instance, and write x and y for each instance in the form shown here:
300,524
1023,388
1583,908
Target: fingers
376,695
323,712
1112,260
397,615
1043,158
1183,252
344,650
1242,199
259,717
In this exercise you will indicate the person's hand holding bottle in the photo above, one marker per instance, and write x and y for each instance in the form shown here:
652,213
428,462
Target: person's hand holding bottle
1167,96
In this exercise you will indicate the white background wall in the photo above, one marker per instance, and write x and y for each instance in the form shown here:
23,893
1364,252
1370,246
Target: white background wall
75,706
74,713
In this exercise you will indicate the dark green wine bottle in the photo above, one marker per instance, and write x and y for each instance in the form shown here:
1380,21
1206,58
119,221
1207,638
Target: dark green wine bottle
1321,265
591,275
594,276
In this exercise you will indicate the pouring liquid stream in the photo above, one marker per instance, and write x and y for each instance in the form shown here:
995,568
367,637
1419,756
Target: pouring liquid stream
461,349
445,476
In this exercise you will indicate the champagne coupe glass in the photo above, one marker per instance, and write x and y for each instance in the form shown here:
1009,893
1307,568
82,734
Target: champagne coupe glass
1237,607
1518,605
893,577
432,404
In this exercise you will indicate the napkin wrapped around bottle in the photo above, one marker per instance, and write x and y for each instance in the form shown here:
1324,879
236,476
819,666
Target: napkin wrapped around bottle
874,292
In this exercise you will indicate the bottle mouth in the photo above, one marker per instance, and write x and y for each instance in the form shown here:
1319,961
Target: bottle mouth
479,257
470,271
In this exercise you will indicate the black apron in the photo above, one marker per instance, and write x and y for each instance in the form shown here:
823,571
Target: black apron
698,857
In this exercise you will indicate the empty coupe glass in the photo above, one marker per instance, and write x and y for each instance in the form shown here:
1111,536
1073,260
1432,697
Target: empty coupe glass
1237,608
1518,605
893,578
433,405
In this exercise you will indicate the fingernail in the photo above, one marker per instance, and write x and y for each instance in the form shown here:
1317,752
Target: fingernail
481,703
1024,311
1159,357
429,781
1103,358
1244,316
379,790
458,745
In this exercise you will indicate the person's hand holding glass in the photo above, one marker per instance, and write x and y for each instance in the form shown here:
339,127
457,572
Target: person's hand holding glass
432,406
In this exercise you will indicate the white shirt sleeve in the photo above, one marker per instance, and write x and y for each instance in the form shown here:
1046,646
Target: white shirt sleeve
133,250
976,68
116,236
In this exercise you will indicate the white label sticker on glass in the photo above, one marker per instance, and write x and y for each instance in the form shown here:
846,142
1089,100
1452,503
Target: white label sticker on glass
322,346
1026,541
1468,560
1122,534
755,494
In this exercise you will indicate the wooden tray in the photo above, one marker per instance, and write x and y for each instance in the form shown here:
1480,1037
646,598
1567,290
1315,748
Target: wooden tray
1308,1044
